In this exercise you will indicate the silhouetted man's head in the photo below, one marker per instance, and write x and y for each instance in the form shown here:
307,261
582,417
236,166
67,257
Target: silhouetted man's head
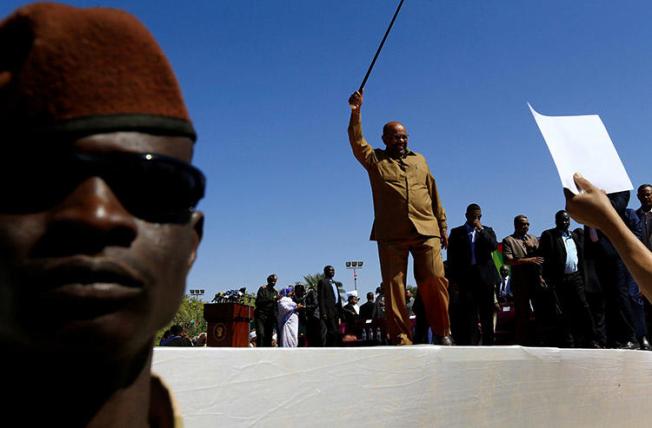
644,195
329,272
504,271
98,227
562,220
271,280
521,225
473,212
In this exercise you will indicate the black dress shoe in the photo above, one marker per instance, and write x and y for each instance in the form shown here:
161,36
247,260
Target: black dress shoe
446,341
645,345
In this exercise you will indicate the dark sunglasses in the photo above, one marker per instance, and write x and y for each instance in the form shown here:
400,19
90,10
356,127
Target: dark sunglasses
152,187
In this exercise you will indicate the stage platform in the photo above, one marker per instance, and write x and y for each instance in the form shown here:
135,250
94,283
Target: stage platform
419,386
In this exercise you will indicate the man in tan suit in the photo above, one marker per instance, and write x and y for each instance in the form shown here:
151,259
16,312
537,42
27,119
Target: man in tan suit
409,218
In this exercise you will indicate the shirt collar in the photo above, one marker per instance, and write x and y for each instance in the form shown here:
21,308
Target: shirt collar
407,153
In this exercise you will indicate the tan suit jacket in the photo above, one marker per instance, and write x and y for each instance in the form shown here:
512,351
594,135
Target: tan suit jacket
404,192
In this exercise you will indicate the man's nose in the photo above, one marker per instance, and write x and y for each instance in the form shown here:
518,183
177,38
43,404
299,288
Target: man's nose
93,212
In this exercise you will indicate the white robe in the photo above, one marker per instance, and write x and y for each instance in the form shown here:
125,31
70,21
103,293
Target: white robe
288,323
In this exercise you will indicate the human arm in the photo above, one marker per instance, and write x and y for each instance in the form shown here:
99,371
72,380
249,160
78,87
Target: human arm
438,210
487,238
592,208
546,243
311,301
321,299
510,260
453,255
524,261
362,151
288,305
259,297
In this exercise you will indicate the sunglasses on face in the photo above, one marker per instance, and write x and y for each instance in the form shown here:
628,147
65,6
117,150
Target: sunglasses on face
152,187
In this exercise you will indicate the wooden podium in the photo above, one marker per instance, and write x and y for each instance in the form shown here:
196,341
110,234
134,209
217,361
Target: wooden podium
228,324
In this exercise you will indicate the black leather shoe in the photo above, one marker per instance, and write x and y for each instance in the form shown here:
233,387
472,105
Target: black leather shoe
645,344
446,341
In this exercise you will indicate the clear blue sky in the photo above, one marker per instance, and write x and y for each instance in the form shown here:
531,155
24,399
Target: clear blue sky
266,83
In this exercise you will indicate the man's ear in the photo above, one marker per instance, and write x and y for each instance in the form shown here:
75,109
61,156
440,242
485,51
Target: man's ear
197,224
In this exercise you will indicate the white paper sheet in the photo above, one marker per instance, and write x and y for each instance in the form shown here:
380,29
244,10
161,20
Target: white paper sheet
582,144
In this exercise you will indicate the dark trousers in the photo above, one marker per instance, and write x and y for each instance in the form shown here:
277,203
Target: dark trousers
476,301
597,304
619,318
330,332
576,323
265,330
637,304
421,325
524,291
313,332
648,314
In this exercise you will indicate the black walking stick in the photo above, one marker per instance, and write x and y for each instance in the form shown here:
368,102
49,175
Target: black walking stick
371,66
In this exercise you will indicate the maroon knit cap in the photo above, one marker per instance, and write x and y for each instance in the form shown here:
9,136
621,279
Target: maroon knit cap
66,70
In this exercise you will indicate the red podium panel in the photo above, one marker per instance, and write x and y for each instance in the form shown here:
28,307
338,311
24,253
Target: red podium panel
228,324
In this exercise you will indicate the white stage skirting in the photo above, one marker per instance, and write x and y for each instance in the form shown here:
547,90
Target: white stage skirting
409,386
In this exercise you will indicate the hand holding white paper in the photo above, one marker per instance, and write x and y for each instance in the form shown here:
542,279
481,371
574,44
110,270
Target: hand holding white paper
582,144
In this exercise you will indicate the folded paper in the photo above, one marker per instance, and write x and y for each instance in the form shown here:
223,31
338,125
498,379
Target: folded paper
582,144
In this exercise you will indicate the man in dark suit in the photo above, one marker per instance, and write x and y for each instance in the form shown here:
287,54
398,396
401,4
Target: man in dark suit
611,273
563,261
368,309
350,317
265,313
644,214
472,269
330,307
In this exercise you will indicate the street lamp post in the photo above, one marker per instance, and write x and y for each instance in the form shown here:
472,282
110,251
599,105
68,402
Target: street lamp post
355,265
197,293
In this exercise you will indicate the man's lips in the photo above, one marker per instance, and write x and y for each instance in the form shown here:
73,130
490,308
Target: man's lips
84,287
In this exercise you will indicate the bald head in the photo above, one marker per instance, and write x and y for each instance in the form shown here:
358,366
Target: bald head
395,137
389,126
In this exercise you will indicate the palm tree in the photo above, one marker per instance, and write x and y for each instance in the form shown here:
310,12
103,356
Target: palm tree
312,280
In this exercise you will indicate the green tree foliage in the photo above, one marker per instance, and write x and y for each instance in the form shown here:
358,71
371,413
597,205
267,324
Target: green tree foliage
249,299
311,280
190,315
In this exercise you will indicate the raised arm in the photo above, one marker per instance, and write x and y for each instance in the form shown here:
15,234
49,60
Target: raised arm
361,149
593,208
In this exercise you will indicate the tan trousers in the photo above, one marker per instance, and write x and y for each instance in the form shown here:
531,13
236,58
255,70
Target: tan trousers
432,286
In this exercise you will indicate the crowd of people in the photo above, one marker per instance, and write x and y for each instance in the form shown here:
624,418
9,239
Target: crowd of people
178,336
565,288
99,230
